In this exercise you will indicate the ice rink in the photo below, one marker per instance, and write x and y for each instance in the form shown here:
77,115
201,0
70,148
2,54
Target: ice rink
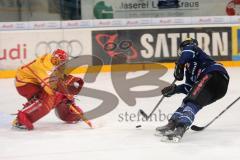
115,138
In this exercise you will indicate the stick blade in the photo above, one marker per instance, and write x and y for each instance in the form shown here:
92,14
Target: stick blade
197,128
143,113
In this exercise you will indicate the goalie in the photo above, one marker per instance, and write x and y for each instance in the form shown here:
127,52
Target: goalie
44,92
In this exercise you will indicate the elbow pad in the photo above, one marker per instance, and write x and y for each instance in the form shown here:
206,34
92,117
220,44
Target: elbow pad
179,72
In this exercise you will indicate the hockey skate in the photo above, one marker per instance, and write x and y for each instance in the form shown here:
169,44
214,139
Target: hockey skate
22,122
161,131
17,125
174,136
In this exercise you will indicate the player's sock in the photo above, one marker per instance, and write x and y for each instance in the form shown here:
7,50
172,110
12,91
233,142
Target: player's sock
188,114
177,113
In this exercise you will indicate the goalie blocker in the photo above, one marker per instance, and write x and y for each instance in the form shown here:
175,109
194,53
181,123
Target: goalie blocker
40,103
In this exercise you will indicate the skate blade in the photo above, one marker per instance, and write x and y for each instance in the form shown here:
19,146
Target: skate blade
168,139
159,134
18,128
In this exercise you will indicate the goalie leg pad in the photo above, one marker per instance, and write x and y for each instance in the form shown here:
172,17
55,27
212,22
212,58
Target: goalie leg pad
69,112
187,115
35,109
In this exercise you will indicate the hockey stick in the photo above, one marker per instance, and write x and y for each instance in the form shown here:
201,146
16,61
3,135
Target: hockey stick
160,101
197,128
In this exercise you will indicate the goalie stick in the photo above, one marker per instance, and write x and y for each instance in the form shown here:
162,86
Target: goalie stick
197,128
160,101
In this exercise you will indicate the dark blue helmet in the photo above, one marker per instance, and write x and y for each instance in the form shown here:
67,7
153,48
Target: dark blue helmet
188,41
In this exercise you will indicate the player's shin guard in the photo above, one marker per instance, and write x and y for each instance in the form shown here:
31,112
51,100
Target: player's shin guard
188,114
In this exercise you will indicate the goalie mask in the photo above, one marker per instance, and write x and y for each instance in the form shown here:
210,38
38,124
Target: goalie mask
58,57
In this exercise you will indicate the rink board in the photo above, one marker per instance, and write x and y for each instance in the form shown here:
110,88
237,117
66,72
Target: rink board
26,45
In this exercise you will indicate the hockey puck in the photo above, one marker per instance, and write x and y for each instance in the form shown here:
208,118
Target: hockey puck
138,126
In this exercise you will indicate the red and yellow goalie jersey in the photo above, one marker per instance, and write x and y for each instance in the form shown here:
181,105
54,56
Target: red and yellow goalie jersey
38,72
47,73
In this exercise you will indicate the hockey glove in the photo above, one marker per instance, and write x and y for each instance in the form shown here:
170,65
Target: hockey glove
70,85
169,91
179,72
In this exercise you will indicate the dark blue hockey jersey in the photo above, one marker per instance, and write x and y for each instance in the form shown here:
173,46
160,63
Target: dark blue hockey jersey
197,64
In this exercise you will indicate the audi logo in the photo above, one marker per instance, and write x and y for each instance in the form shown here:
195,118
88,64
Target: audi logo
74,47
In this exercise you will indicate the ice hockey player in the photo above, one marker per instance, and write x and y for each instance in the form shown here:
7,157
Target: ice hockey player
45,86
206,81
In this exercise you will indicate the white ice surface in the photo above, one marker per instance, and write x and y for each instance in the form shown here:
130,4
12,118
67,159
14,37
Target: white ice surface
115,140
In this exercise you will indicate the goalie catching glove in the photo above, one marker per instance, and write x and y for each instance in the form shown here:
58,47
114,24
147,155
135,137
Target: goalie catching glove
70,85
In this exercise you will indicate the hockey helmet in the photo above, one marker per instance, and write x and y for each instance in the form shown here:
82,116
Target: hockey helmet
188,41
58,57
